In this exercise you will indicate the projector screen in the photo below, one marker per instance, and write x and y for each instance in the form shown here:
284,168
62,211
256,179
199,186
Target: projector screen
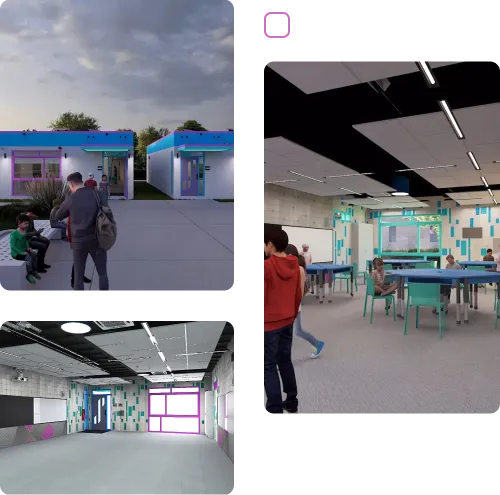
320,242
49,410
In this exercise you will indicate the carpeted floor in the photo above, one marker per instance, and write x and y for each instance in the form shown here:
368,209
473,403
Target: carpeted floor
118,462
376,369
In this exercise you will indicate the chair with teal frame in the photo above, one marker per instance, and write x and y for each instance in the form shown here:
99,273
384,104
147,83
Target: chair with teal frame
370,291
347,277
425,295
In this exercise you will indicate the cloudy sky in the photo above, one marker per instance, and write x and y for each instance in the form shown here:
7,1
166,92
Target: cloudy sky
128,63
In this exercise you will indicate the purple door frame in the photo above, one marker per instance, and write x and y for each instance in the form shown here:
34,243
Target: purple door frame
192,188
171,391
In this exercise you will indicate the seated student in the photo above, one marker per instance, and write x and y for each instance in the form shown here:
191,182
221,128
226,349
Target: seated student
489,256
54,223
452,265
378,275
37,241
20,250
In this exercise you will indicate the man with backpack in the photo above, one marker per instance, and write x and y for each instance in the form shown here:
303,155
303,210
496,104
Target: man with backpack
93,230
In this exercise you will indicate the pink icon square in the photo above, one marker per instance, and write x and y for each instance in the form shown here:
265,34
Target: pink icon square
267,34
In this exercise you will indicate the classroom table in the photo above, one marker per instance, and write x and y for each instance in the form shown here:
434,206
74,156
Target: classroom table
318,271
453,278
404,263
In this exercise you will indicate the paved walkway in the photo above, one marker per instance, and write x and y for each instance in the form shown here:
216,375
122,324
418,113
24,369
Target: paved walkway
161,245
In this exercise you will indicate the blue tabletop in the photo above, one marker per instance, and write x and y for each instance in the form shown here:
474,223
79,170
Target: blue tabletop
446,276
477,263
328,267
402,262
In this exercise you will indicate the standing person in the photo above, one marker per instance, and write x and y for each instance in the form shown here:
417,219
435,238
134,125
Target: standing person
297,324
85,279
104,187
83,208
282,297
306,254
57,225
37,241
20,249
90,182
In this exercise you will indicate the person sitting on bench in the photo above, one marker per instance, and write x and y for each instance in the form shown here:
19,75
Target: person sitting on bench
37,241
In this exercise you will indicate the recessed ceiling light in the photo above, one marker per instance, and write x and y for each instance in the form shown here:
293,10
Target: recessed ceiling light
426,71
75,327
306,176
484,182
348,190
280,181
425,168
491,194
473,160
496,161
451,118
347,175
400,193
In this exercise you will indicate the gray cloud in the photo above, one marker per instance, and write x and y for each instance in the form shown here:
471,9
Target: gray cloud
161,54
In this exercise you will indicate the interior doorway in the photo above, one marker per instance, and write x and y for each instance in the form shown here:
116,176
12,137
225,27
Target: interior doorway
114,166
101,417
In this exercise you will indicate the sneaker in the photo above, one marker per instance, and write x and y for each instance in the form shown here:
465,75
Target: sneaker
87,280
317,351
290,409
30,279
43,270
46,266
36,275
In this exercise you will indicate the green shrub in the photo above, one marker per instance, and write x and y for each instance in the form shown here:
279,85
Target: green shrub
42,193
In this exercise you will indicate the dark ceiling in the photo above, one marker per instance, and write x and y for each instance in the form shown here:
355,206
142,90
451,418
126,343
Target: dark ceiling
322,122
51,331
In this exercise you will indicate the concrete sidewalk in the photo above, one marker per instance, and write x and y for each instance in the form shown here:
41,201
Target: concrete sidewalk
161,245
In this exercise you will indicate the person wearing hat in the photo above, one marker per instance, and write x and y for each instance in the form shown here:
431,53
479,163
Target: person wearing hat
306,254
90,182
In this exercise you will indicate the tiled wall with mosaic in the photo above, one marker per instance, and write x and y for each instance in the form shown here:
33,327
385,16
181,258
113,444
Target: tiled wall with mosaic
453,219
133,401
75,407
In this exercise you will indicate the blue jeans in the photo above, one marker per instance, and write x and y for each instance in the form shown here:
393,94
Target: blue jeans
301,333
278,357
62,227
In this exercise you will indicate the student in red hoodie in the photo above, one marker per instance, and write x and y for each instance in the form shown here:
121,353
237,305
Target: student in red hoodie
282,297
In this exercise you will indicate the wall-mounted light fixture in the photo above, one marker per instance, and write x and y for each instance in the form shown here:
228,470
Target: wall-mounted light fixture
129,155
5,155
65,155
177,155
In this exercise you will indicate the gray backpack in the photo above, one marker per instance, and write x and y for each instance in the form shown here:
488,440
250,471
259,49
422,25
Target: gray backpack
105,225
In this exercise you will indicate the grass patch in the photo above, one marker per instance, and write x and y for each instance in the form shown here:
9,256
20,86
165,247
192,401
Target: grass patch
143,191
225,200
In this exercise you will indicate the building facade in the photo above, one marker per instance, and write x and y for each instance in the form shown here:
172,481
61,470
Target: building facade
193,165
27,156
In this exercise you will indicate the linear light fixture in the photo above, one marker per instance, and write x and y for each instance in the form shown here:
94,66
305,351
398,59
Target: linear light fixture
491,194
347,175
485,182
495,201
426,71
348,190
451,118
400,193
146,327
375,199
162,356
473,160
280,181
306,177
425,168
186,341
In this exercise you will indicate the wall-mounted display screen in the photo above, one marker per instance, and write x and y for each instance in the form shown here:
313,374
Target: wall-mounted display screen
15,411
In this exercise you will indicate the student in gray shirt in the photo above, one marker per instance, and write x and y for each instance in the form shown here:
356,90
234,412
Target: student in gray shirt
81,205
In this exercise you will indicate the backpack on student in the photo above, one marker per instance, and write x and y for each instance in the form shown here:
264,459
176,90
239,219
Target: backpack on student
105,225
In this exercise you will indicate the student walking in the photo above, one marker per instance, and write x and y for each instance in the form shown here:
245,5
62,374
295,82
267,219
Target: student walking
104,187
83,208
282,297
297,324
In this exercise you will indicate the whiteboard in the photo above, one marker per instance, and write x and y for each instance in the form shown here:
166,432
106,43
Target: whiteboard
49,410
221,411
230,412
320,242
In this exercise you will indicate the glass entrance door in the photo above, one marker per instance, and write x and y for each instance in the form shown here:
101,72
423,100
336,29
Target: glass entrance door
114,168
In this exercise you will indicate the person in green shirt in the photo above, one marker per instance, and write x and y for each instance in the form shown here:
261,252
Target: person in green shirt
20,249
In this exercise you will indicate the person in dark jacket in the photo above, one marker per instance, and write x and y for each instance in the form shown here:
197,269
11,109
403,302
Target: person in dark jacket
81,205
37,241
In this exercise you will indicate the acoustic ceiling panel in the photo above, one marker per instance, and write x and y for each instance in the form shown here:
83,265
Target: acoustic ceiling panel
102,381
185,377
472,198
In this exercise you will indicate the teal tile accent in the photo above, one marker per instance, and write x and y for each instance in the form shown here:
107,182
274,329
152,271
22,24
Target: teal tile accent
449,215
142,413
202,421
137,398
113,426
349,251
443,251
444,211
456,221
439,204
345,231
334,224
375,251
477,212
452,231
457,243
489,214
124,426
498,220
483,210
472,222
124,394
449,251
468,242
133,381
136,426
483,252
203,385
439,211
375,214
463,251
492,231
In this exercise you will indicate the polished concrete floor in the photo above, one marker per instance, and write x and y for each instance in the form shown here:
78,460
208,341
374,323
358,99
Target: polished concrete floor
376,368
117,462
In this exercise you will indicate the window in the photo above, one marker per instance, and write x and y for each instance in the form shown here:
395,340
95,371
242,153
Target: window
34,165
